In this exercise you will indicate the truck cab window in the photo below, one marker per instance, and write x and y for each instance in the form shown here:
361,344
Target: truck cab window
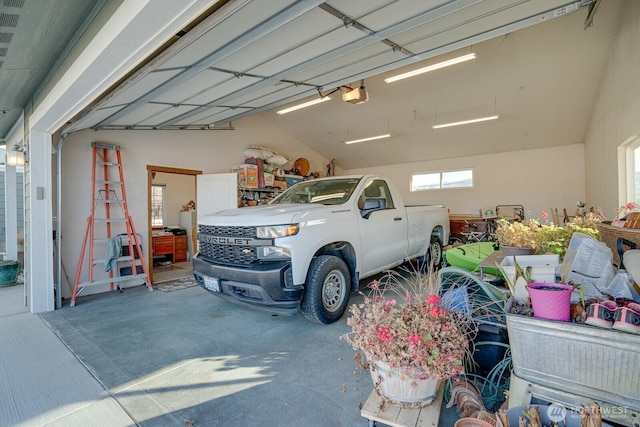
376,195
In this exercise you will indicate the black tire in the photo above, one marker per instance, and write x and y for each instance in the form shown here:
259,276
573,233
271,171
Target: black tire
327,289
433,257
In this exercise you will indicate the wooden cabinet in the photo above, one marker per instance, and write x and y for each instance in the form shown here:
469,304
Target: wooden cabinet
163,244
180,253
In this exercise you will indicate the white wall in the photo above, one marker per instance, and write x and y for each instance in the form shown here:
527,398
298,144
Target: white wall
208,151
538,179
616,115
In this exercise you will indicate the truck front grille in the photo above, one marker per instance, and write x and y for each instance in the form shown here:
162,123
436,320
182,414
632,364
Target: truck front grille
224,253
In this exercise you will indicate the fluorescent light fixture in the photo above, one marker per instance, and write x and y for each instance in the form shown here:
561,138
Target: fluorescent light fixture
432,67
304,105
371,138
466,122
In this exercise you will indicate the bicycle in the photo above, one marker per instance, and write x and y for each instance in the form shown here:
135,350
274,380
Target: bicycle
475,235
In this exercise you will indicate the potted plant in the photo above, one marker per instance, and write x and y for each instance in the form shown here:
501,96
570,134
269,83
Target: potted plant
410,338
516,237
9,270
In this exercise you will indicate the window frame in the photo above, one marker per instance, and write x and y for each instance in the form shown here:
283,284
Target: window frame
163,188
441,173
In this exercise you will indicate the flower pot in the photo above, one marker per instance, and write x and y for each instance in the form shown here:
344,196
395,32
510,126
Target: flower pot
9,272
515,251
471,422
399,388
551,301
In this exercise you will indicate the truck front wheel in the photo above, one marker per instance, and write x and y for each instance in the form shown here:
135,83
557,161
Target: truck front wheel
326,292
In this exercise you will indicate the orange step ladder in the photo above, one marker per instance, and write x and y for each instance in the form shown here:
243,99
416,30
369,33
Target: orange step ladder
106,244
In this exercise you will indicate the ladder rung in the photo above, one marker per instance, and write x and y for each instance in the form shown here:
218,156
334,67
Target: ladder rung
108,280
103,145
122,258
109,219
109,182
107,163
108,201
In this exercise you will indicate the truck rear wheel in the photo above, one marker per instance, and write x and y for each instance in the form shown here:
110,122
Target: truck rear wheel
327,290
433,257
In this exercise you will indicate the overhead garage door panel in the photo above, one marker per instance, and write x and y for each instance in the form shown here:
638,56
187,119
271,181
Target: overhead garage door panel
201,118
308,27
226,31
141,87
272,96
377,52
140,114
312,49
225,88
193,87
92,119
169,113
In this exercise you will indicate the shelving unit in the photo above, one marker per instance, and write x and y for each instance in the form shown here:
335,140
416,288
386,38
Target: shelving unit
259,193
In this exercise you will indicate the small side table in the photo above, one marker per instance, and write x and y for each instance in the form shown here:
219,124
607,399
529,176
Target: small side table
396,416
496,257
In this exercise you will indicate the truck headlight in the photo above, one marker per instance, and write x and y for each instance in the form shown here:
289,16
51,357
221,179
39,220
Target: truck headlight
273,252
273,231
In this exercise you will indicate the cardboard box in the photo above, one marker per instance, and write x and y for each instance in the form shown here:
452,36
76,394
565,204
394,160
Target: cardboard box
247,175
280,184
269,179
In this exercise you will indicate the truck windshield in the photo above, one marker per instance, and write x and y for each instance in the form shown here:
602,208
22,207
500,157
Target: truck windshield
326,192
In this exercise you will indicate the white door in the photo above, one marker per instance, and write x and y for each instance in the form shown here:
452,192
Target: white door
383,235
216,192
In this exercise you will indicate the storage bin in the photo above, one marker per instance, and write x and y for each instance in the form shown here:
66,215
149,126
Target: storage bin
292,179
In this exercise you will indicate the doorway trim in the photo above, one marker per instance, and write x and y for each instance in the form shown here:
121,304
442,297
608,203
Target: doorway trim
151,169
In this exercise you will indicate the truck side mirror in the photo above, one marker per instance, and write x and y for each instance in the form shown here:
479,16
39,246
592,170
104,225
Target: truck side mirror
372,205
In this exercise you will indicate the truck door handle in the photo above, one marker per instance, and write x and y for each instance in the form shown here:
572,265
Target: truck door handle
397,218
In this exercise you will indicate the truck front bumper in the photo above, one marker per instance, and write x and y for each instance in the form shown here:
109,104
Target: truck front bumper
263,286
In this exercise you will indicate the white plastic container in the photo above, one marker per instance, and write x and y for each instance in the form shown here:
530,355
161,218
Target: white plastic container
543,270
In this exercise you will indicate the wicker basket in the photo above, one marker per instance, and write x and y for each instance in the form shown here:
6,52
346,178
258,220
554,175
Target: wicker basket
610,235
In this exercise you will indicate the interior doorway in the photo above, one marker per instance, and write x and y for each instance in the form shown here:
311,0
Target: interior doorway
171,201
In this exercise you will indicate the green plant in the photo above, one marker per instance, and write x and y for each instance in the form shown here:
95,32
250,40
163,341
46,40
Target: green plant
416,334
520,273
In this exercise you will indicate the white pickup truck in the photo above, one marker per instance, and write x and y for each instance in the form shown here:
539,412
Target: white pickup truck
311,245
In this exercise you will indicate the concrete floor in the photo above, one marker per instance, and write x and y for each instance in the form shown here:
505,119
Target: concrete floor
187,358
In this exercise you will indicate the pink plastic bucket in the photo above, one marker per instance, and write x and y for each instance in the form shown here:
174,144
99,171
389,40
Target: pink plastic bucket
551,301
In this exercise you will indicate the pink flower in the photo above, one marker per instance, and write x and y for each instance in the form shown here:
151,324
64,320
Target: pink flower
630,205
433,299
389,303
407,299
374,284
437,311
384,333
414,340
544,215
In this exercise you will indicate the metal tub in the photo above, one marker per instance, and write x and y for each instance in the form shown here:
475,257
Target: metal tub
600,364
